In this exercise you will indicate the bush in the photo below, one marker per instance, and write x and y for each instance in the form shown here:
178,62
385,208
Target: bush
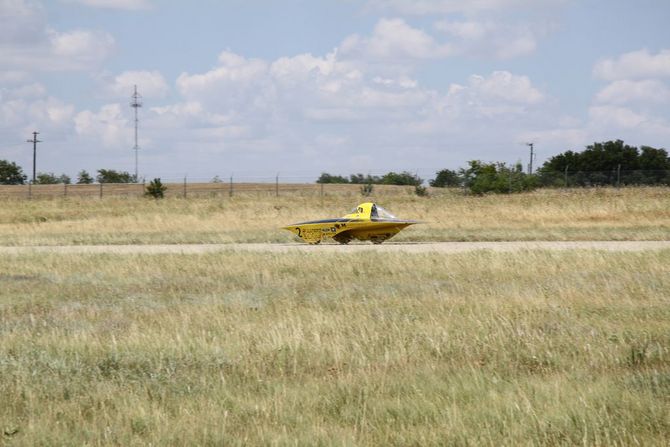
366,189
155,189
421,191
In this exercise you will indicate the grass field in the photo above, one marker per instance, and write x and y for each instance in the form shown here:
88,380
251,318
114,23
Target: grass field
531,348
263,348
580,214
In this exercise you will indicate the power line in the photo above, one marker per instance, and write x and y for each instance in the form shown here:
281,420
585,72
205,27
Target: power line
136,104
34,141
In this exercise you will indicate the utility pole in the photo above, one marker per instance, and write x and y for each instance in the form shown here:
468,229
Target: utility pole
34,141
136,104
532,155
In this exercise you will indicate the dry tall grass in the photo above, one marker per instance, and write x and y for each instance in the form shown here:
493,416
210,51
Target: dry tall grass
533,348
596,214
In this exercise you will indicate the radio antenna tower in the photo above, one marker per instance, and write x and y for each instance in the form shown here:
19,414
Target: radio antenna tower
136,104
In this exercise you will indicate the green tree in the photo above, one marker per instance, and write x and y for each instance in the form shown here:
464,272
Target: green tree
481,178
360,179
155,189
652,159
49,178
328,178
402,178
112,176
608,163
11,173
84,178
445,178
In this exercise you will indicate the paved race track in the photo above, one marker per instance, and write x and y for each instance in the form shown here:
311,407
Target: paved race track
424,247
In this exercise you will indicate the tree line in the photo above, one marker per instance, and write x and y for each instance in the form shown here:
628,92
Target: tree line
391,178
12,174
609,163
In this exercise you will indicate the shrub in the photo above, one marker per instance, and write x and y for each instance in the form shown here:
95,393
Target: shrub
155,189
421,191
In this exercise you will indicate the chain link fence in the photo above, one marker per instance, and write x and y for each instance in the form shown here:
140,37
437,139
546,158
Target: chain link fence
305,186
614,177
185,188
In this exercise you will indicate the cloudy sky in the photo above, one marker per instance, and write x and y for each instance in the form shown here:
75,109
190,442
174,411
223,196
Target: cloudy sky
253,87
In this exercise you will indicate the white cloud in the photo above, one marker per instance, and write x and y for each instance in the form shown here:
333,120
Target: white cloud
28,113
302,67
646,127
28,43
235,72
634,65
425,7
13,77
20,21
487,37
561,138
80,49
150,84
114,4
403,82
613,116
625,91
507,87
394,40
108,125
27,91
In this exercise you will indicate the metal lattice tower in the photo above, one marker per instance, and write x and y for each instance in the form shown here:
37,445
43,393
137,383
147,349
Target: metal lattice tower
136,104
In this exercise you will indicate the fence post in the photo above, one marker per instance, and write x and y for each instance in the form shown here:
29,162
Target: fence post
230,191
510,181
277,185
618,175
30,190
101,190
566,175
321,195
144,188
64,189
184,186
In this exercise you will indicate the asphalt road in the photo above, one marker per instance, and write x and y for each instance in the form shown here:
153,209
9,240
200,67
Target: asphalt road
424,247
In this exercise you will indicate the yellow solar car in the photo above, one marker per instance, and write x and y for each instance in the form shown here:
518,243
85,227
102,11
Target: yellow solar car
366,222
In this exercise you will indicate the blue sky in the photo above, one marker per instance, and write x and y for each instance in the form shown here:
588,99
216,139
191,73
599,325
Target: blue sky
252,88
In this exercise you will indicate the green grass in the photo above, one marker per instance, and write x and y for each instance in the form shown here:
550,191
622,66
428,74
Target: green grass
528,348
